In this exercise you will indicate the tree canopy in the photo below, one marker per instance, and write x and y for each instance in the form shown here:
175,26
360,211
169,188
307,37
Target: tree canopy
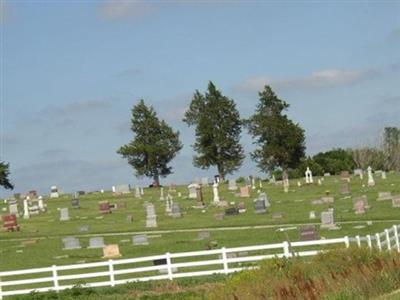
280,142
154,145
4,173
218,129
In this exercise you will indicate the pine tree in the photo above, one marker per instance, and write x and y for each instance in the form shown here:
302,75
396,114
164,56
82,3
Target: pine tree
280,142
218,129
4,173
155,144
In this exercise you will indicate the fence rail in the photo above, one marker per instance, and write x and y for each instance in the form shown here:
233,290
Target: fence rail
177,265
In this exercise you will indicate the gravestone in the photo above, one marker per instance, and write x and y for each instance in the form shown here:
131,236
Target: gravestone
263,197
232,185
259,206
140,240
383,175
203,235
111,251
13,208
26,209
75,203
122,189
396,201
245,192
199,197
312,215
327,174
71,243
308,175
241,208
193,190
382,196
327,220
215,193
137,192
219,216
371,181
345,175
176,210
344,188
162,198
232,211
104,207
362,198
359,207
359,172
96,242
83,228
151,217
308,233
285,179
64,214
32,194
10,223
54,192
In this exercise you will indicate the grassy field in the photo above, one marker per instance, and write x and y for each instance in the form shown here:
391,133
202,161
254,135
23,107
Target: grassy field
38,243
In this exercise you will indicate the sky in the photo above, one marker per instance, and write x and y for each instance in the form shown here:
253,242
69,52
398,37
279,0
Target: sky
72,70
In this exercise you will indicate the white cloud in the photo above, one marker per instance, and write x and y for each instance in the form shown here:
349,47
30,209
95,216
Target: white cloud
120,9
316,80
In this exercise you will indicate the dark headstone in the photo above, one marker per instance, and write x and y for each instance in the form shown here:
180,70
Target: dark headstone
232,211
308,233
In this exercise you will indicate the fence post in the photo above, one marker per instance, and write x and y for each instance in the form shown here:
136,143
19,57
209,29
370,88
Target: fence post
55,278
396,235
388,239
111,271
169,268
378,241
369,241
358,241
286,252
224,260
347,241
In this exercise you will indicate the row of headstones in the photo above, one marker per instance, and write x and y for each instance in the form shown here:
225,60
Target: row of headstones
31,207
71,243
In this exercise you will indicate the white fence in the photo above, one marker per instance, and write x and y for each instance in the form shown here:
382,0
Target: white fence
175,265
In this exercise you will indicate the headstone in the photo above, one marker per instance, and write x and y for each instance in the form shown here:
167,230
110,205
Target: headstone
141,191
383,175
10,223
199,196
253,183
193,190
308,174
359,172
245,192
151,217
122,189
137,192
140,240
260,184
259,206
219,216
104,207
312,215
327,174
241,208
217,178
248,181
96,242
285,178
32,194
41,204
232,185
384,196
362,198
54,192
215,193
344,188
26,209
308,233
371,181
176,210
64,214
113,189
162,194
83,228
327,220
359,207
345,175
111,251
232,211
203,235
71,243
13,209
75,203
396,201
319,181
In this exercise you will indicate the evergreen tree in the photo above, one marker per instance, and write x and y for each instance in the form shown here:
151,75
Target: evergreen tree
280,142
154,145
4,172
218,129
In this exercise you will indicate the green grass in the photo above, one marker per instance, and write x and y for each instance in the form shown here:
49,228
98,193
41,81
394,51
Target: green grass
38,244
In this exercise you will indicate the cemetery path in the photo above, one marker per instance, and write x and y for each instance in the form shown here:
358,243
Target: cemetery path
150,232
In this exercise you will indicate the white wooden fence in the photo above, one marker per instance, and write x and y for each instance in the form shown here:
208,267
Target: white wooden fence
175,265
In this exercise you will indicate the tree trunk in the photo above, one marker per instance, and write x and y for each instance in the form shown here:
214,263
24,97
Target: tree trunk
156,180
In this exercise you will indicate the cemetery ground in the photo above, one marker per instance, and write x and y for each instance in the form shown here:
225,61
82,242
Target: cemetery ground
39,241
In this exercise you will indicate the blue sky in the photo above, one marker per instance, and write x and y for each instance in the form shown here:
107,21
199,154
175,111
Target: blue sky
72,70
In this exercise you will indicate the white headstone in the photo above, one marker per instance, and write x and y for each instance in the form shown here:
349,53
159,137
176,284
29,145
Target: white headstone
383,175
96,242
26,209
232,185
309,178
54,192
64,214
253,183
162,194
371,181
215,193
137,192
